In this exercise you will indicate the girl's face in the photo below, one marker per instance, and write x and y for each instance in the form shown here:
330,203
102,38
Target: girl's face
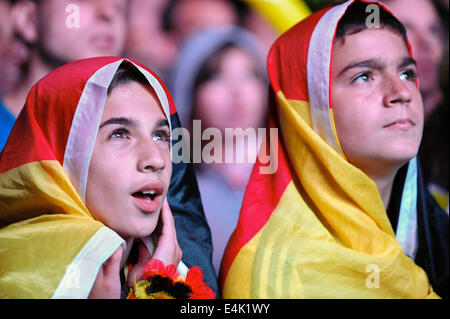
234,96
377,107
130,168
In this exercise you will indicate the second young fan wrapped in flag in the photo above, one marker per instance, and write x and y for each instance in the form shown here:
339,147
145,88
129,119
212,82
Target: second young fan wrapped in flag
346,215
86,181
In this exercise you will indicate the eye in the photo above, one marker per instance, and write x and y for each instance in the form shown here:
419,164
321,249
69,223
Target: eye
410,75
161,135
120,133
362,77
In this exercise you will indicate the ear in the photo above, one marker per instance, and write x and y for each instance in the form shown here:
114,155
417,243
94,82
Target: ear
24,18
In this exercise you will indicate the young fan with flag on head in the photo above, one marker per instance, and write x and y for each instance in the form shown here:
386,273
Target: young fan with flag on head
84,180
347,214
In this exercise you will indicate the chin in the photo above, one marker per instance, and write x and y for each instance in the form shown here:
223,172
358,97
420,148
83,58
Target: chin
399,159
405,152
141,229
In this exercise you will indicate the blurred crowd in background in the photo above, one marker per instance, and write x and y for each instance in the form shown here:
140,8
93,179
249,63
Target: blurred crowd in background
211,54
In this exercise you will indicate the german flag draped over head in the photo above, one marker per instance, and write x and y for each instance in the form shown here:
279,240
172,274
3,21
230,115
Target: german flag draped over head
317,228
50,244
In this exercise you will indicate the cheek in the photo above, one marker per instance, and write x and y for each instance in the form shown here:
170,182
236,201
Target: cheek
352,124
50,29
254,93
103,175
164,175
120,31
435,45
211,100
167,174
347,128
418,108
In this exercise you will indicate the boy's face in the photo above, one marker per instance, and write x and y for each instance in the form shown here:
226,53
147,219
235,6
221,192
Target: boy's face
130,168
377,107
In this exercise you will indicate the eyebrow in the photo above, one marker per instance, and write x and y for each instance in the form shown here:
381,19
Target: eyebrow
130,122
162,123
119,120
407,62
377,64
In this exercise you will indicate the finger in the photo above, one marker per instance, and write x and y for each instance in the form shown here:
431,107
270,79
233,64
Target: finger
165,229
112,266
167,247
167,220
167,212
167,223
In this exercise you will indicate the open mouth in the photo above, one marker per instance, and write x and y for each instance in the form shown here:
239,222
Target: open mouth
146,195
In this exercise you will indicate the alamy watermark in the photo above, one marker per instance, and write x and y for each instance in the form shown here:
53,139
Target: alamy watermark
373,19
73,19
208,146
373,280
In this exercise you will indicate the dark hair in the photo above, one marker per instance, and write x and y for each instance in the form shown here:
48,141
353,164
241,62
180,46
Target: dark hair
126,73
212,65
354,21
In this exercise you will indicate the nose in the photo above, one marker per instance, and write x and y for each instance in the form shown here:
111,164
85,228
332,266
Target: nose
397,92
150,157
106,9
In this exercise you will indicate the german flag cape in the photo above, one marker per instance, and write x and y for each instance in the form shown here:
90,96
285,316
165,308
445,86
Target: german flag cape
317,228
50,244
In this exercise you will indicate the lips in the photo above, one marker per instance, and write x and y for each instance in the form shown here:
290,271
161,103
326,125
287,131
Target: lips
401,124
148,197
102,41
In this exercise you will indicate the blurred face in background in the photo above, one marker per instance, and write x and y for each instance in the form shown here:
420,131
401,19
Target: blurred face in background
13,52
101,30
426,36
233,93
147,41
192,15
4,13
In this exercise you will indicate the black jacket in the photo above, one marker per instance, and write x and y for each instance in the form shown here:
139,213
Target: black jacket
432,226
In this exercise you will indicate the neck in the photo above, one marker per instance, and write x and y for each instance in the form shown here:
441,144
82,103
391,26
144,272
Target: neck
384,185
15,99
384,179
